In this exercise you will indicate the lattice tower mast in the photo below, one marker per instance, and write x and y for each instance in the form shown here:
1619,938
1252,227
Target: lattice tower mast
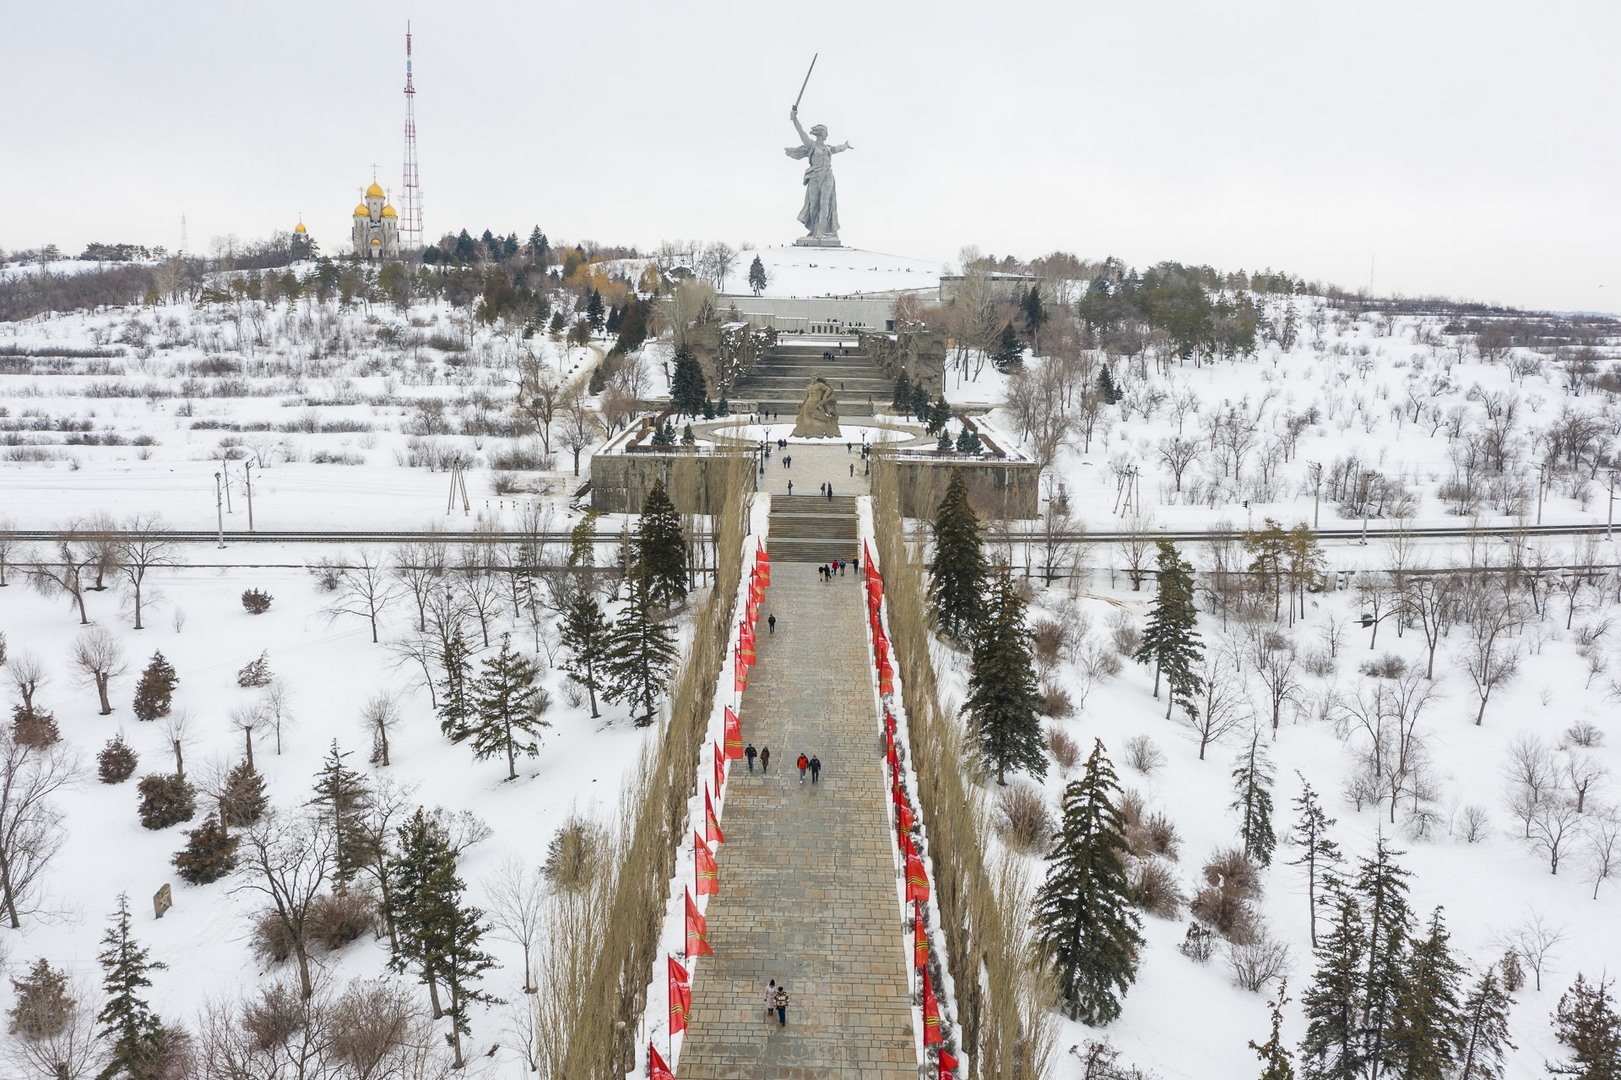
411,199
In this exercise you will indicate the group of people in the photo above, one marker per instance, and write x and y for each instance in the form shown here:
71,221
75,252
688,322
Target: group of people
811,764
828,571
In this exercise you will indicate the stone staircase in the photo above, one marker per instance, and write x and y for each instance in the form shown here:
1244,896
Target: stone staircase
778,380
812,528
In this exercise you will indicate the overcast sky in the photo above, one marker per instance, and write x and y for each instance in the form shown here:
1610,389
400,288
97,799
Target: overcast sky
1460,148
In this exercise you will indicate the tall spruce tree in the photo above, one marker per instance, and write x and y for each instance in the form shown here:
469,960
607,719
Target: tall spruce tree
507,702
1382,886
455,693
661,549
638,659
454,929
687,388
344,798
1319,854
1332,1048
757,278
1002,695
902,400
1009,351
1277,1063
1084,916
957,578
1252,798
154,692
585,636
1428,1035
1586,1022
1171,641
594,311
130,1031
1106,387
1485,1029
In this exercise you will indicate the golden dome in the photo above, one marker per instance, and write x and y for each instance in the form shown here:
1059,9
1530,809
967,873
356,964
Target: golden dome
375,192
388,211
375,242
300,229
361,211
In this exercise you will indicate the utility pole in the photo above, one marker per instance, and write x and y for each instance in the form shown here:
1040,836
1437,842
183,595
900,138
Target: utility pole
1316,468
1542,482
247,481
219,511
225,467
1367,477
1609,525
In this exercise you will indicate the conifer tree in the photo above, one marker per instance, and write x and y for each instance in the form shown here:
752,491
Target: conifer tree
1033,312
957,578
969,442
1428,1032
661,550
902,401
209,854
508,705
344,798
1318,853
1277,1063
1586,1022
130,1031
1106,387
42,1006
594,311
920,402
687,388
154,692
1084,916
243,801
939,416
757,278
455,693
116,762
942,445
1332,1048
1171,641
1485,1029
585,636
1382,886
1252,791
1002,695
1009,352
639,656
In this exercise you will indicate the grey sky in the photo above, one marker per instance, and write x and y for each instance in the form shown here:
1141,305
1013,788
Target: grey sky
1467,149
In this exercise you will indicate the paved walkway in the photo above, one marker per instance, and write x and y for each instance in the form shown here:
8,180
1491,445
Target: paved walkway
807,879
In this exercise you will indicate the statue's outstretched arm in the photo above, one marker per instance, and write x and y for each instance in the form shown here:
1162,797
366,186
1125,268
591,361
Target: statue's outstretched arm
841,148
793,114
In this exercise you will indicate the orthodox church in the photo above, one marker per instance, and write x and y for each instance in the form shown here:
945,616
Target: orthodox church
377,226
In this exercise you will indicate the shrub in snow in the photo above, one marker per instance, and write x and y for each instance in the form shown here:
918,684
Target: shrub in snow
1196,945
571,854
1232,881
256,601
1584,733
1063,748
1055,702
1143,754
1154,888
256,673
116,762
1023,821
34,727
209,854
1256,963
1388,666
336,919
166,799
271,941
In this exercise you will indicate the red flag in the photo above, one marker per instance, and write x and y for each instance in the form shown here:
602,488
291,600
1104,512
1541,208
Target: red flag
680,997
904,840
905,815
890,755
734,734
711,823
720,768
920,943
697,931
656,1068
745,647
886,678
705,870
866,557
947,1064
762,563
931,1013
917,880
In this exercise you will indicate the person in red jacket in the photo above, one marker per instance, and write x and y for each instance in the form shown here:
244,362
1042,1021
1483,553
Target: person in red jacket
804,763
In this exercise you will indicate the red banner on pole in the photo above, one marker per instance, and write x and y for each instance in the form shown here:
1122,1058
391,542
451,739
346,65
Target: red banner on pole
886,678
762,562
931,1013
920,942
711,823
947,1064
904,813
697,931
719,757
656,1069
680,997
706,872
734,734
917,879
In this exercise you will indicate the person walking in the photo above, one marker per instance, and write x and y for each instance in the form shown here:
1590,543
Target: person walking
830,493
780,1000
790,487
852,468
804,763
770,998
841,568
750,753
771,624
816,769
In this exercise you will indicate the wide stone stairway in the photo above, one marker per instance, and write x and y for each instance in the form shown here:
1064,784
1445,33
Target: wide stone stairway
812,528
807,876
778,379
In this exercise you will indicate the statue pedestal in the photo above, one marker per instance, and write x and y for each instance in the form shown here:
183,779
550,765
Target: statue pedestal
818,242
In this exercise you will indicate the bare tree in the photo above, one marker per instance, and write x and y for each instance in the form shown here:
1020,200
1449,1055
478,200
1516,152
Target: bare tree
277,702
1603,835
60,1046
364,589
379,716
138,549
1532,778
1584,772
1220,710
1178,453
178,733
1429,602
1272,658
515,894
98,655
423,651
247,719
63,575
420,567
483,594
1536,943
287,861
1555,823
579,427
1491,659
31,830
12,550
27,673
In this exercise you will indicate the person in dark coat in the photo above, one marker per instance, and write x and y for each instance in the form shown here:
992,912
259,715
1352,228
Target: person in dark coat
765,758
771,624
816,769
750,753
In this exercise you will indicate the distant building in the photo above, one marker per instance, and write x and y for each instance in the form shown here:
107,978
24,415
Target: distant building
377,226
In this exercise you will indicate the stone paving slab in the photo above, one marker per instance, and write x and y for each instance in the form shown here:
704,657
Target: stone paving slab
807,876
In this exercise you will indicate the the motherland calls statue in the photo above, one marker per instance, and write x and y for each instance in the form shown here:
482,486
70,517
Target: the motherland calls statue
820,212
819,416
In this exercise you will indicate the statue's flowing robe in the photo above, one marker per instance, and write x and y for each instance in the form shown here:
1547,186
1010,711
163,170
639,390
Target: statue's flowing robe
820,212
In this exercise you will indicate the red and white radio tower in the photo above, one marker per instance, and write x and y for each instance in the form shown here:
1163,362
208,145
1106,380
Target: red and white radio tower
411,220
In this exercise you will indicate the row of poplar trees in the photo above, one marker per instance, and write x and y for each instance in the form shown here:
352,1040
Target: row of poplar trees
1084,919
